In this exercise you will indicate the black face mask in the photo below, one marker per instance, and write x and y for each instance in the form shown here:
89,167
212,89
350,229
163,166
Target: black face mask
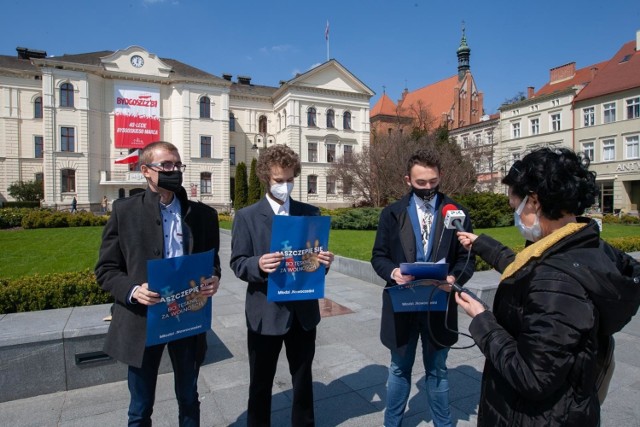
426,194
171,180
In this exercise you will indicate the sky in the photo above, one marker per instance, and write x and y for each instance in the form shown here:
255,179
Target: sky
387,44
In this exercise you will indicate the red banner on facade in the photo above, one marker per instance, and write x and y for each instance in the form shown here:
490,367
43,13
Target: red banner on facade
137,116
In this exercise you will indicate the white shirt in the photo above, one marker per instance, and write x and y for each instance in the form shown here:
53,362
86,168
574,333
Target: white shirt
279,209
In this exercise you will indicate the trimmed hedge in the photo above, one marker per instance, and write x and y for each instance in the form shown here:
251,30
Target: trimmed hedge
354,218
23,204
12,217
59,219
44,292
487,210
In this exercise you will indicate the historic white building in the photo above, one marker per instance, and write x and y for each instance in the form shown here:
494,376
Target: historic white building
66,120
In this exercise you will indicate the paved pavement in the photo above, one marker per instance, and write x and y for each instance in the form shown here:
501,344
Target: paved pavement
350,371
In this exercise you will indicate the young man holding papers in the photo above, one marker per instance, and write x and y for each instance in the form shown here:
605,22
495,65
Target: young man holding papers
158,223
271,324
412,230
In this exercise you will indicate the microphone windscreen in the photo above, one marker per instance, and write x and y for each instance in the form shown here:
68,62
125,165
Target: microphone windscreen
448,207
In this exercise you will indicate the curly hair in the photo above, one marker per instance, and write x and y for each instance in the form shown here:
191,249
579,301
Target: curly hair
428,157
277,155
559,176
146,156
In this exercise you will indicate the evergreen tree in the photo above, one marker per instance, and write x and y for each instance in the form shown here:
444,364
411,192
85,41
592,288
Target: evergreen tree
241,187
255,190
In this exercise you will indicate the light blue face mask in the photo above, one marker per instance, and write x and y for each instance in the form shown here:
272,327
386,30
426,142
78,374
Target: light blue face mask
532,233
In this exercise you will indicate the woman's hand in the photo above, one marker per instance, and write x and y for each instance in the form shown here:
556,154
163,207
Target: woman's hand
466,239
468,304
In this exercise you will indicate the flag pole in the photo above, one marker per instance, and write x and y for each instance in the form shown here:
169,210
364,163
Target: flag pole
326,36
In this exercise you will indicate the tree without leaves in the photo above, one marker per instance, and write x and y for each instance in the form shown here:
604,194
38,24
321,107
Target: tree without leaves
26,191
241,187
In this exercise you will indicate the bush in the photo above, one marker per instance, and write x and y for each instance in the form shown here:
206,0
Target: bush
487,210
356,219
58,219
25,204
61,290
626,244
12,217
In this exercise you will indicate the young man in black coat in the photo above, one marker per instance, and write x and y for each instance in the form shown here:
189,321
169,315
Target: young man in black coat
158,223
271,324
412,229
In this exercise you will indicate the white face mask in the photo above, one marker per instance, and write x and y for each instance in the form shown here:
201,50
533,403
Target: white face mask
281,191
532,233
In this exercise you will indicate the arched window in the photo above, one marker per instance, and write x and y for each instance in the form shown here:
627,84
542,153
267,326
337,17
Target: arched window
66,95
68,180
284,114
311,117
262,125
279,122
205,183
232,122
331,119
205,107
37,108
312,184
346,120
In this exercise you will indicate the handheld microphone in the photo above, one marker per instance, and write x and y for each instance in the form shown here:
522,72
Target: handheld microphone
459,289
453,217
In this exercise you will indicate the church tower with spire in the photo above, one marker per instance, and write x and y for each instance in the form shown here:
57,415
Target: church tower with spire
464,52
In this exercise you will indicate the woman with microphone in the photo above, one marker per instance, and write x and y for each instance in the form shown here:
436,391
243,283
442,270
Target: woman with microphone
558,302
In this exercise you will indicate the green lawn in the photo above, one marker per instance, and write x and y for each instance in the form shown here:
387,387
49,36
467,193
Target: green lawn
55,250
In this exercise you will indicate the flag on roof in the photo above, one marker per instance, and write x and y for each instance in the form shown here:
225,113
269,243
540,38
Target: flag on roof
326,32
133,157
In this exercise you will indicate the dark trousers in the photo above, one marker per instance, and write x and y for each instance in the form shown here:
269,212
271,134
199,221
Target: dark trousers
300,347
142,383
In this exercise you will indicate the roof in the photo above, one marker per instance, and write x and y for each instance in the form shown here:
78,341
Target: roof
385,107
618,75
581,77
179,69
252,90
436,98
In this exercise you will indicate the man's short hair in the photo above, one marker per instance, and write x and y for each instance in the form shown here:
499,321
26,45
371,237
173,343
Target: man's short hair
146,156
427,157
277,155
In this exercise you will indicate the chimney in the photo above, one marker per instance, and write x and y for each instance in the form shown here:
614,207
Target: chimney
530,92
563,72
26,53
226,76
638,41
594,71
244,80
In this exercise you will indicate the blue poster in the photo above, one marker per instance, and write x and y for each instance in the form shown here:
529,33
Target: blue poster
420,295
300,239
182,312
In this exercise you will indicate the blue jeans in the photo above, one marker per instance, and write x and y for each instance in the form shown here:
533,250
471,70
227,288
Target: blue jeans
437,383
142,383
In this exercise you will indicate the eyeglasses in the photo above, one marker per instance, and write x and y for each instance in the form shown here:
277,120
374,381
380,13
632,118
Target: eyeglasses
168,166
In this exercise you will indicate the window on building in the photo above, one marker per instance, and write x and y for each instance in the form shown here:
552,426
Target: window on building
312,184
66,95
555,122
68,180
311,117
313,152
205,183
608,150
262,125
535,126
588,150
37,108
38,146
331,185
39,177
609,112
205,107
232,155
465,142
589,116
478,140
205,147
515,127
331,153
347,185
232,122
331,119
632,145
346,120
348,153
633,108
67,139
389,131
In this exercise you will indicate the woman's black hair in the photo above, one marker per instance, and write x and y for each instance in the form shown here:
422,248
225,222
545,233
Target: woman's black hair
559,176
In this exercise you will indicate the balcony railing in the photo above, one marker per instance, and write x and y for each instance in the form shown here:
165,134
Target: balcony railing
122,178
